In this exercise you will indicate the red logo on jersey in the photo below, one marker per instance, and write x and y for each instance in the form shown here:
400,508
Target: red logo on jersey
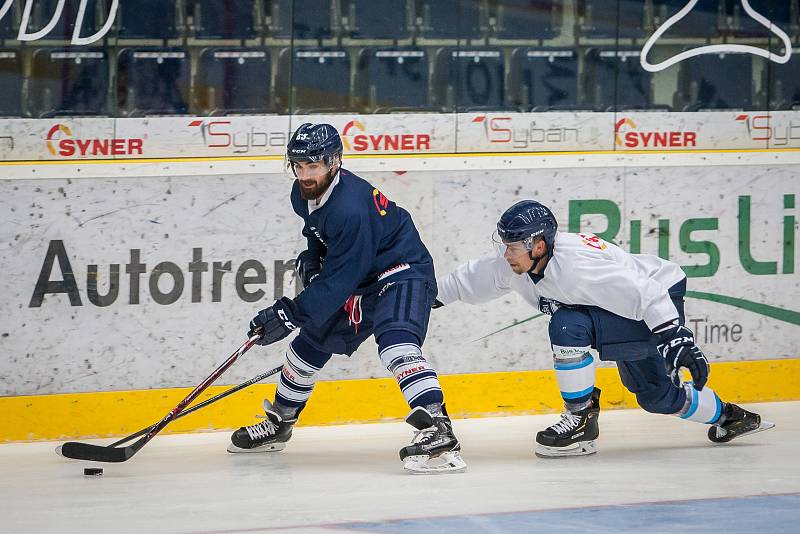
381,202
593,241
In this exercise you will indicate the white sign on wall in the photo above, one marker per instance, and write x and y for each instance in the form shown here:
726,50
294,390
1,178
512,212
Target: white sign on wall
144,283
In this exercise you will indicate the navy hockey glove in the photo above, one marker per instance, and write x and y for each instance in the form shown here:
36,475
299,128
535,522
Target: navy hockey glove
548,306
275,322
308,266
678,348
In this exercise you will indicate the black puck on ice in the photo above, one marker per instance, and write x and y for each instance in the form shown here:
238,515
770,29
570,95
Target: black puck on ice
93,471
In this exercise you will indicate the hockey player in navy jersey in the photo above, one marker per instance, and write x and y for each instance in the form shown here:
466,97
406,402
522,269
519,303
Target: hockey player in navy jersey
366,271
629,307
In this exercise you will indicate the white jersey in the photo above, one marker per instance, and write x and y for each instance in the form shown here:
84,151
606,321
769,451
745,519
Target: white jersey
584,270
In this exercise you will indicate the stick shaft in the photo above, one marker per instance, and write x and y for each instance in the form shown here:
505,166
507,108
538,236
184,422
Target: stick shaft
202,386
205,403
87,451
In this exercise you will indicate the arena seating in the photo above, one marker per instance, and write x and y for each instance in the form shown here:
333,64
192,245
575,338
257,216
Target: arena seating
450,19
306,19
234,80
703,21
10,83
784,84
376,19
615,79
705,82
544,79
527,19
153,81
475,77
320,80
610,19
393,79
147,19
69,82
225,19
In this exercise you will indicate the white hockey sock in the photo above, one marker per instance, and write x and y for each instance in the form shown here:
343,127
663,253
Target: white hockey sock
700,406
297,380
575,374
417,379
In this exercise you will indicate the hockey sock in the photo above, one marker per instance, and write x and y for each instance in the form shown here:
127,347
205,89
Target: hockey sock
700,406
303,363
575,375
401,354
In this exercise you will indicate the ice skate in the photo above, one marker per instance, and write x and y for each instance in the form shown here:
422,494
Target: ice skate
573,435
269,435
434,448
736,422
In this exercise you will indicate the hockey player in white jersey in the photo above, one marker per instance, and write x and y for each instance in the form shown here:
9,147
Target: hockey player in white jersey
629,307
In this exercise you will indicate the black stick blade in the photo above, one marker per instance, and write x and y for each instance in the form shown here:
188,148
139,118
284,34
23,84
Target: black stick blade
94,453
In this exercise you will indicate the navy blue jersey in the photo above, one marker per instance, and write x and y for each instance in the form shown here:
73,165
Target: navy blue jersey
361,235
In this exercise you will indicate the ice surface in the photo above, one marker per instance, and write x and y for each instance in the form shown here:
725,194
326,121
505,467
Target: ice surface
349,478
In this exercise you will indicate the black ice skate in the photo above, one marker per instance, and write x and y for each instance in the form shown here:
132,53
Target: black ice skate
434,448
269,435
573,435
736,422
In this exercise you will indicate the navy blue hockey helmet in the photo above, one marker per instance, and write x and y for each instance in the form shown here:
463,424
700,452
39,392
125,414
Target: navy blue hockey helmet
314,142
525,221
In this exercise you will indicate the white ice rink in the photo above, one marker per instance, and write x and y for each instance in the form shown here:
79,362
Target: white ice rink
652,474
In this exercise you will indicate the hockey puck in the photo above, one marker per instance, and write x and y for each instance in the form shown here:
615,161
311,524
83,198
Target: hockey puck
93,471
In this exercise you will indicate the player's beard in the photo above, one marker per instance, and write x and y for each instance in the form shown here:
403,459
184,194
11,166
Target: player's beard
536,260
315,192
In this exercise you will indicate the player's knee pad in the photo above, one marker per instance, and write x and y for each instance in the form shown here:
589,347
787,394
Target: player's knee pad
571,327
415,376
663,398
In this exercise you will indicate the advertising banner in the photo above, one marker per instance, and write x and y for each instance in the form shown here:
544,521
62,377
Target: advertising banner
686,131
535,132
397,134
65,140
196,137
145,283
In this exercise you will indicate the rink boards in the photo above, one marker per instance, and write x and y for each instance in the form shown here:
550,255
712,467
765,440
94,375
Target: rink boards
117,413
140,278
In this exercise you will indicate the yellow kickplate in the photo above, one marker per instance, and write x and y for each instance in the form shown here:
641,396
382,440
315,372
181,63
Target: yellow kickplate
119,413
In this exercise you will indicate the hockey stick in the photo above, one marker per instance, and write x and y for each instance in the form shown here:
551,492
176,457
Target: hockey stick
205,403
99,453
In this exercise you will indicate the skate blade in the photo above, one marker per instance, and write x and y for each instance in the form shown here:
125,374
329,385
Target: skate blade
272,447
447,462
581,448
765,425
